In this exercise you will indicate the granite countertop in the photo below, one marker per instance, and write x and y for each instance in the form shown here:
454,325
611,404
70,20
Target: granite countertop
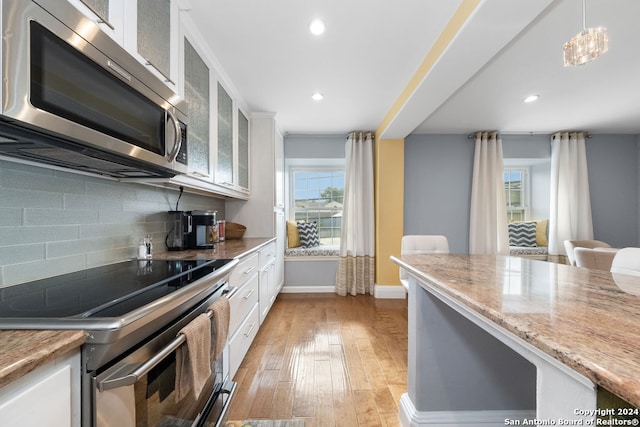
22,351
587,319
235,248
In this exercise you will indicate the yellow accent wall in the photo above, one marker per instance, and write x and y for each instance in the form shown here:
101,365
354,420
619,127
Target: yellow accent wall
389,202
389,158
456,22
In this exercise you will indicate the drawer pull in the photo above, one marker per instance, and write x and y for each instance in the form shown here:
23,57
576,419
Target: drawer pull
249,270
249,331
249,294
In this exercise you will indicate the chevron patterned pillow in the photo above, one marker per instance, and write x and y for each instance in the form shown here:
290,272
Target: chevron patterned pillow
522,234
308,234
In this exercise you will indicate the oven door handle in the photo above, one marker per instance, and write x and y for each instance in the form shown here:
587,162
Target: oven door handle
230,388
133,377
203,419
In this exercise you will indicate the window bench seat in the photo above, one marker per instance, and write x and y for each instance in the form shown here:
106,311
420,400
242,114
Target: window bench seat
310,270
534,252
318,251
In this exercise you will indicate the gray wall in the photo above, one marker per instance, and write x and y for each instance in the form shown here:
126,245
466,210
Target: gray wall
613,181
314,146
437,179
438,173
54,222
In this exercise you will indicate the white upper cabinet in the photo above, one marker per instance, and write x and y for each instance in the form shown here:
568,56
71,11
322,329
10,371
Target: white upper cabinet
108,14
151,36
197,93
243,151
225,163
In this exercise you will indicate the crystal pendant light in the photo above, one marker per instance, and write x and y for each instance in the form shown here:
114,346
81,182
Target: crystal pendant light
587,45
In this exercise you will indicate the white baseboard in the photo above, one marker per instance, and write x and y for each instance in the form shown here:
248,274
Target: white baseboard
308,289
389,292
410,417
380,291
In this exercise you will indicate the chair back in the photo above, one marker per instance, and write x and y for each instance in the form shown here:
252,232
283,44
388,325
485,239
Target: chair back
627,261
594,258
570,245
421,244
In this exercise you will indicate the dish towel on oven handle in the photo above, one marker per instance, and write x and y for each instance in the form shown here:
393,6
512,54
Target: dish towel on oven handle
193,358
220,311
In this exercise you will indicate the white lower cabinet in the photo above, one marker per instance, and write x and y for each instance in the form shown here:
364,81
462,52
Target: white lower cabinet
267,283
257,287
243,304
241,341
48,396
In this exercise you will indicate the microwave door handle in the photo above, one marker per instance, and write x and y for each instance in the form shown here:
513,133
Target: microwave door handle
178,141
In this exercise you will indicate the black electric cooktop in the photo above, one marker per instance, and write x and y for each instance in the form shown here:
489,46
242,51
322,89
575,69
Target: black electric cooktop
102,292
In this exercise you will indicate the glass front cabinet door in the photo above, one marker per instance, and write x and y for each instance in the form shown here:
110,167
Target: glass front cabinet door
196,93
225,152
243,152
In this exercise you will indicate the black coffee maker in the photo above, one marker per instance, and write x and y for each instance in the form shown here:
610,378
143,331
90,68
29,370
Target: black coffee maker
205,230
180,234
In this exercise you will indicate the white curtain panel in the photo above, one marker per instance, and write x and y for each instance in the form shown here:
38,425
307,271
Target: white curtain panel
488,232
356,268
570,204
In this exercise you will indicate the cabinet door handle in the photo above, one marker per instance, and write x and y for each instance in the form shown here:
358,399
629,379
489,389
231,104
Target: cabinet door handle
249,270
248,294
166,79
250,329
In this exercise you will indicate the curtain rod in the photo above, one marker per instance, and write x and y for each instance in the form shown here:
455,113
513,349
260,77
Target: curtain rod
473,135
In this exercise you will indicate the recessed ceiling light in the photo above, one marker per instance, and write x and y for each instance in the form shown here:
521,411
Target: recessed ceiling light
531,98
317,96
317,27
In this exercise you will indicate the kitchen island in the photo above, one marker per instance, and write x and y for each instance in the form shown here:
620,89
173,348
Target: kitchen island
513,341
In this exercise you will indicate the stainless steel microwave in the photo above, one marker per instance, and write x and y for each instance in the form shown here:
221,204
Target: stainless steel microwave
72,97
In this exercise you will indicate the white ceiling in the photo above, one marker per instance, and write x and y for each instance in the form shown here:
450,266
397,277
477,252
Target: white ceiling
505,51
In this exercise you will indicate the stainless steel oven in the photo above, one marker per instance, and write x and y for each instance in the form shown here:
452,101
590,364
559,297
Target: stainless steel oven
72,97
132,312
139,389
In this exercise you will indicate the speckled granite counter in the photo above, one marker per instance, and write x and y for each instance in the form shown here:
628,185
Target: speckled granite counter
223,250
587,319
23,351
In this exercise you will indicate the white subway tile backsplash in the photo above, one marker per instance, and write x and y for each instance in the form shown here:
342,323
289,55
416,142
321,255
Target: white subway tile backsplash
33,179
59,217
24,272
10,217
22,253
53,222
10,236
30,199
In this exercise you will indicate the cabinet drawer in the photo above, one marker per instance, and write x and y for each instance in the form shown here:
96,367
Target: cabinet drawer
241,341
245,269
242,302
267,254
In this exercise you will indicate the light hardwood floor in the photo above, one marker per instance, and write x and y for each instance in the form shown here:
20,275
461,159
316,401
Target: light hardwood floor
331,360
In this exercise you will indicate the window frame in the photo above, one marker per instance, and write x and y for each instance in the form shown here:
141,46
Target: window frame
525,192
307,165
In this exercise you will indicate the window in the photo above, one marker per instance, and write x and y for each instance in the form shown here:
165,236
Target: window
316,195
516,193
